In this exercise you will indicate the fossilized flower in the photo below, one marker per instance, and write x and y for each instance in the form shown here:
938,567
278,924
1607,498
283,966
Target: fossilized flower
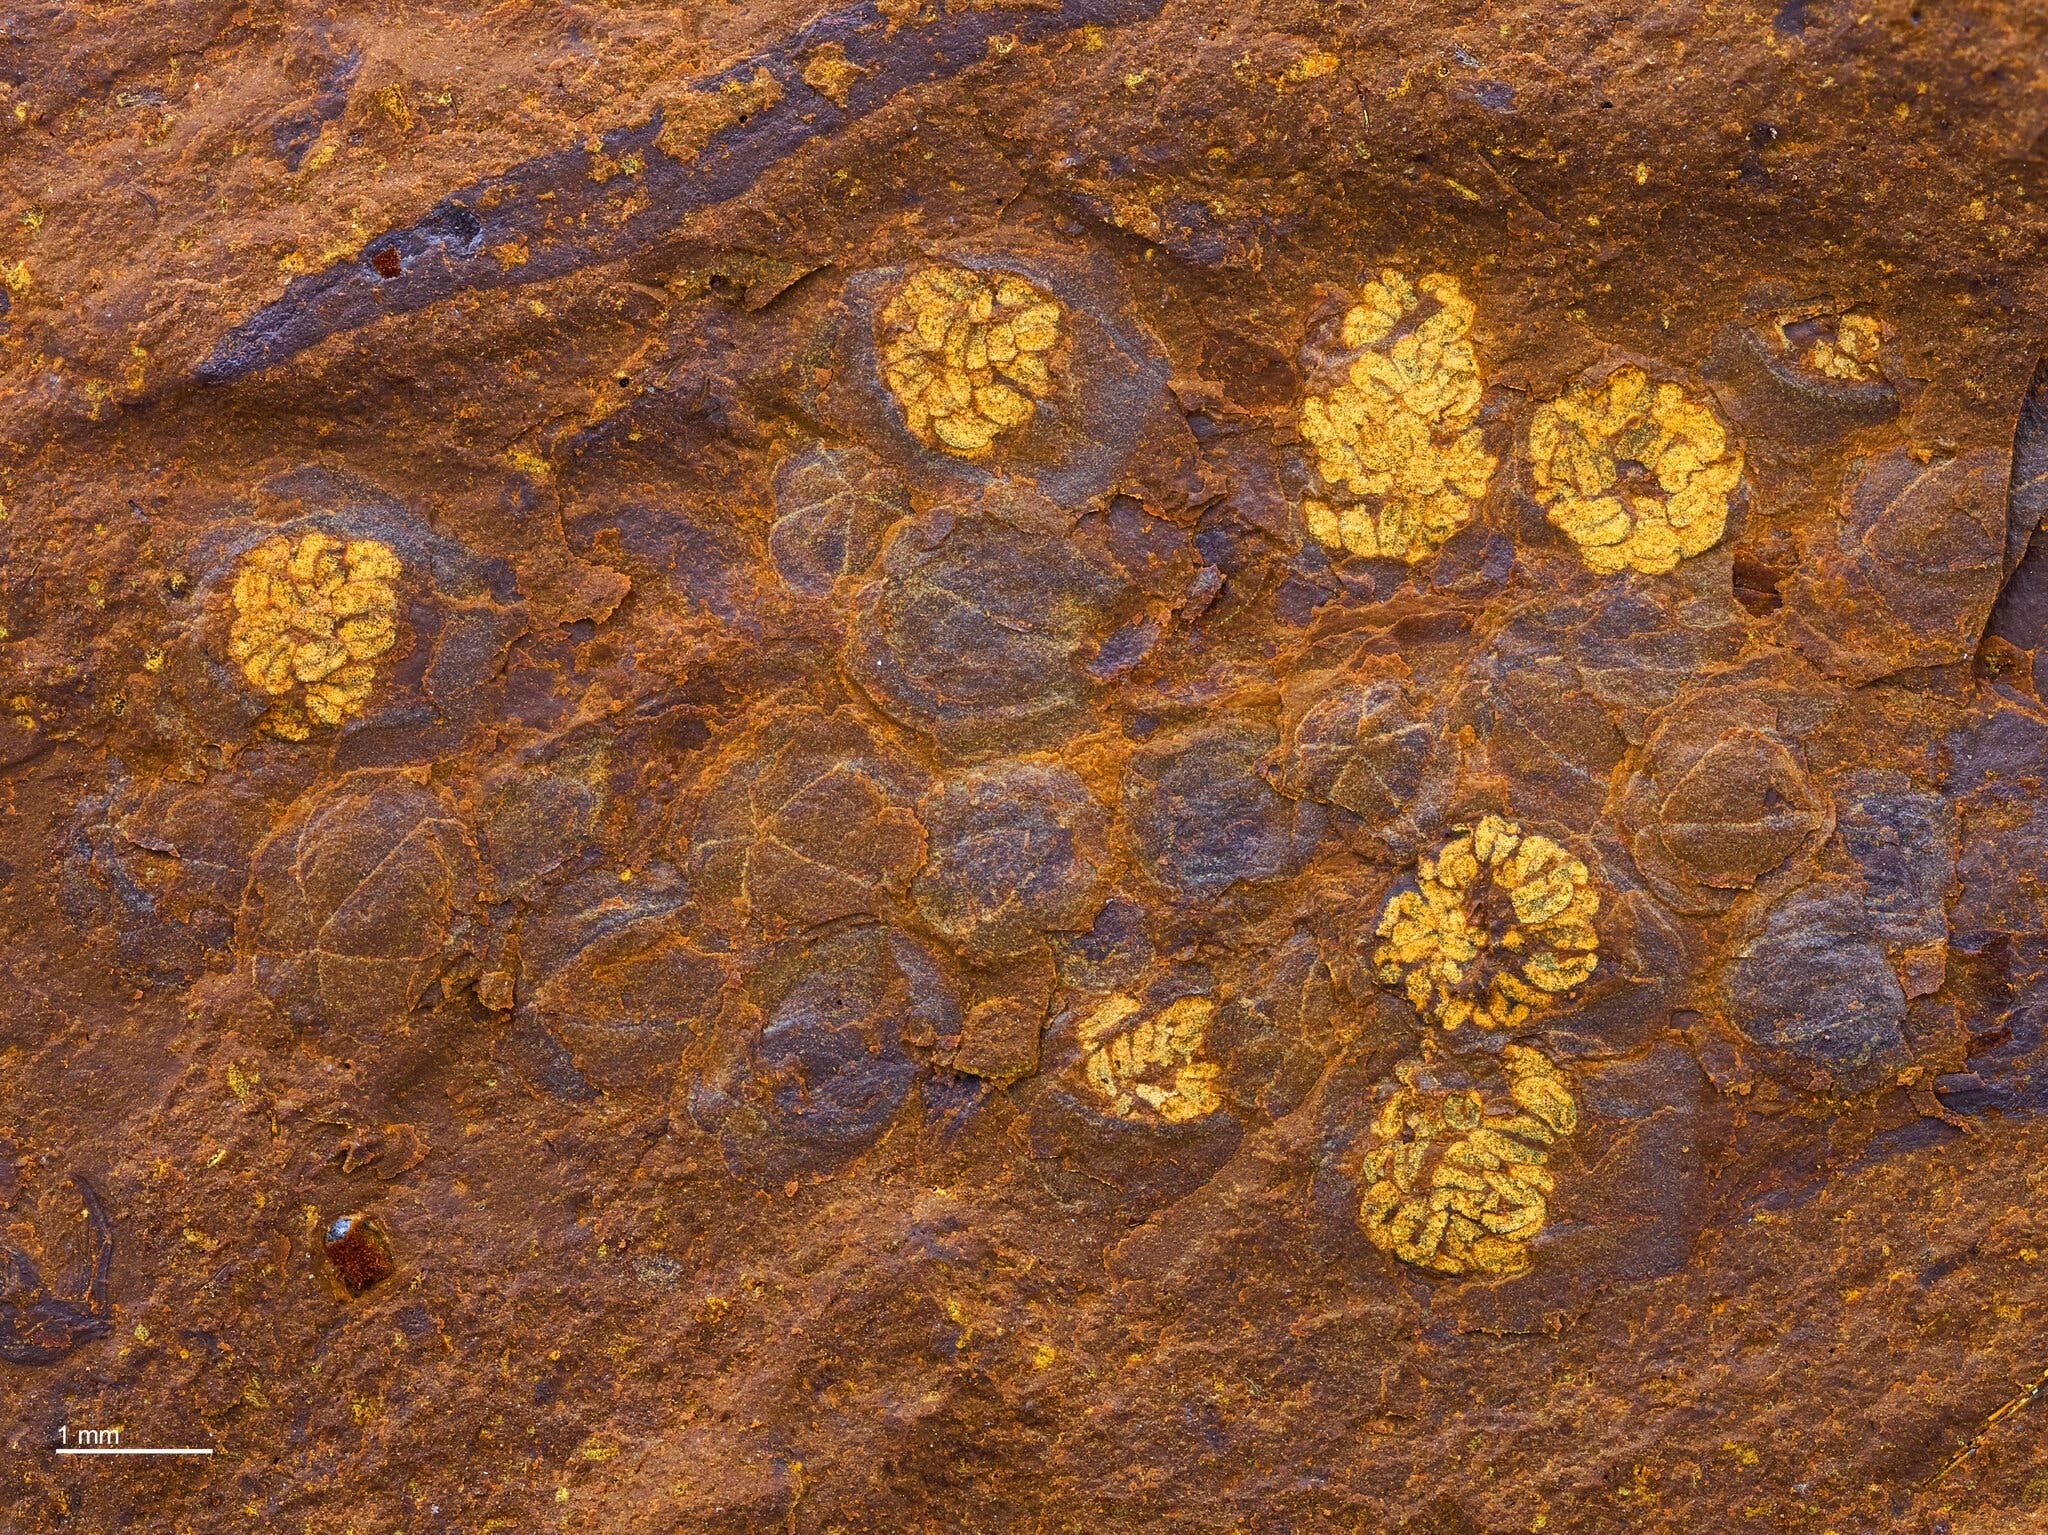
1152,1066
967,354
1637,475
311,618
1453,1188
1851,354
1396,440
1498,924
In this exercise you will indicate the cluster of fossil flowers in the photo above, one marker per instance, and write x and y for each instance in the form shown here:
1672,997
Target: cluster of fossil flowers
1498,925
1153,1067
1396,443
1638,475
311,618
1455,1189
967,354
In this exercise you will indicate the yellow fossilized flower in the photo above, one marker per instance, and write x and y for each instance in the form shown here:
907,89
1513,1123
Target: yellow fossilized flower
1396,442
1453,1188
1152,1067
1852,354
968,353
1638,476
1499,923
311,618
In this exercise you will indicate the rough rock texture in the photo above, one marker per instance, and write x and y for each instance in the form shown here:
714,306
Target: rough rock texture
974,766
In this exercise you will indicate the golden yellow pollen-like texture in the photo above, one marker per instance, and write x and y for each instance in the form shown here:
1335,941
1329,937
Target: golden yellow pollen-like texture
1638,476
968,353
1453,1188
1853,354
1154,1066
311,618
1396,443
1499,923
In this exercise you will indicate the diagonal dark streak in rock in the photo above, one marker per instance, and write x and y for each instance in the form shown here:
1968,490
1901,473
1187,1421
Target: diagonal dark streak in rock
585,221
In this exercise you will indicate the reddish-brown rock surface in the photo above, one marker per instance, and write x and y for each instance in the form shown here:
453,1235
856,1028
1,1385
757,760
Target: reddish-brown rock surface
1081,765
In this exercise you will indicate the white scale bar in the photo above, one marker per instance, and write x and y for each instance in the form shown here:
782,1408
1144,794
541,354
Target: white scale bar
125,1451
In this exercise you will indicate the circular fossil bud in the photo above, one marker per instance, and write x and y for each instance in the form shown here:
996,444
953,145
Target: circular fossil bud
343,621
1637,475
1497,925
161,864
1907,572
614,972
823,1068
969,354
1363,748
1455,1180
1016,851
361,900
1713,807
1203,819
1810,985
311,616
975,626
1392,421
811,822
832,506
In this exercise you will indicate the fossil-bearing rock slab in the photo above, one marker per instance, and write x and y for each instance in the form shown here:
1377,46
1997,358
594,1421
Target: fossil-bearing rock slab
949,765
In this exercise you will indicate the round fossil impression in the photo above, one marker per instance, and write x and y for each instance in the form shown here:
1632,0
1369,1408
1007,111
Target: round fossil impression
968,354
311,618
1638,476
1497,925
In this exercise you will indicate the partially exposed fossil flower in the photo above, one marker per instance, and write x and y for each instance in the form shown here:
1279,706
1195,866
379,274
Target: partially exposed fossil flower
1715,805
1396,439
1152,1066
1499,923
1638,476
311,618
1852,353
1453,1188
967,354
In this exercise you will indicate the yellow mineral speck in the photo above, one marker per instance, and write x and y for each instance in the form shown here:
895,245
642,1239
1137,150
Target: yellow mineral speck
1153,1066
1396,443
1311,66
690,119
392,103
14,274
1853,353
1638,475
1455,1189
829,72
528,462
1497,926
311,619
968,354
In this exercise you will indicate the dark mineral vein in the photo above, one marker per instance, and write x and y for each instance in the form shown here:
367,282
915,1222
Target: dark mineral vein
568,219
